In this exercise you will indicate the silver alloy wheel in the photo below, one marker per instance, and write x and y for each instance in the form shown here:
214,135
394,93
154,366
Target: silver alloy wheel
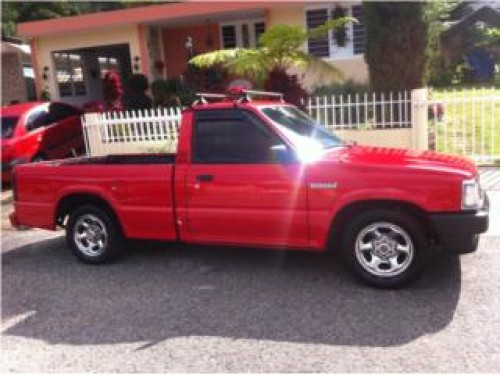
384,249
90,235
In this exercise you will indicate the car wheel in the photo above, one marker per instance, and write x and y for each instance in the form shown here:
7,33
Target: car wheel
385,248
93,235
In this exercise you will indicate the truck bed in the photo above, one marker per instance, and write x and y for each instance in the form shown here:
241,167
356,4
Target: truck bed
138,187
121,159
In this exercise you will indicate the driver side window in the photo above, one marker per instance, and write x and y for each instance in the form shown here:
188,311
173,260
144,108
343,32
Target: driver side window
233,137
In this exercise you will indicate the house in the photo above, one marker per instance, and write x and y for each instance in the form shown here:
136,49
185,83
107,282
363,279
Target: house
17,74
71,54
460,41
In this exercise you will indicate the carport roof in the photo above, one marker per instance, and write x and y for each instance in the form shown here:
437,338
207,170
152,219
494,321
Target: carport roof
138,15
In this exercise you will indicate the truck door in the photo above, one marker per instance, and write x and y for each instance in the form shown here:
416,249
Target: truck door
237,190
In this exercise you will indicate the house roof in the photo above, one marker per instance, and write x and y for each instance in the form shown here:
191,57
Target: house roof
484,14
12,48
466,8
146,14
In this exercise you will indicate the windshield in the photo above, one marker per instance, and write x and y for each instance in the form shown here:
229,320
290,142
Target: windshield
8,126
301,127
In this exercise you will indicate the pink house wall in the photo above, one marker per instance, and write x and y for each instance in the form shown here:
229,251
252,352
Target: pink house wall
174,40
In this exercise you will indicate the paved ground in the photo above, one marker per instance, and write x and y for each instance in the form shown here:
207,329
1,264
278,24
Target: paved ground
199,309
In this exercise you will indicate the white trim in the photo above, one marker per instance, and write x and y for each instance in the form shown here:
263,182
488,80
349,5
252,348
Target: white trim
359,56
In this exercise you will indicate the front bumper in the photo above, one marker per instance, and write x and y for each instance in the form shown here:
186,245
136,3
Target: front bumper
459,232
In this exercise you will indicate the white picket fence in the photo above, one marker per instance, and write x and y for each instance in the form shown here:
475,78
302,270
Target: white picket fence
150,130
455,122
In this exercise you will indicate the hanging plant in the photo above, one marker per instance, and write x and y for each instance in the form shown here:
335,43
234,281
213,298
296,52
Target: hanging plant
45,95
340,33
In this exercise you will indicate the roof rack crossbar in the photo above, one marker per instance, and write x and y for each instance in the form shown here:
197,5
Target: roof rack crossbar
264,93
237,95
207,95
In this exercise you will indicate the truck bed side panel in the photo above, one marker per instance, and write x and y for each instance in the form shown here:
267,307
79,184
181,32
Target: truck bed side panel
140,194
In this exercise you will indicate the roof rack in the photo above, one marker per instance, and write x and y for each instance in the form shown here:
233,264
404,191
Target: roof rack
237,94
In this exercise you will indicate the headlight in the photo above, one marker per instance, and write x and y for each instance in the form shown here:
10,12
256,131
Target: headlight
472,195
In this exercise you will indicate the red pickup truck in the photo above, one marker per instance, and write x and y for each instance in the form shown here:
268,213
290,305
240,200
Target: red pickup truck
262,173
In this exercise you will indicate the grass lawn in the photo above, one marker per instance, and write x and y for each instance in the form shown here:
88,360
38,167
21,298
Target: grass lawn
470,124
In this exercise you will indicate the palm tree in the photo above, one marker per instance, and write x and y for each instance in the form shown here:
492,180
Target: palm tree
280,48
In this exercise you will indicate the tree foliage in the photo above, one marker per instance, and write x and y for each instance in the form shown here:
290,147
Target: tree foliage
396,43
14,12
437,14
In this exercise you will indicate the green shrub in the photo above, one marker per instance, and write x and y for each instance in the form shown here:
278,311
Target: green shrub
348,87
137,83
280,81
171,92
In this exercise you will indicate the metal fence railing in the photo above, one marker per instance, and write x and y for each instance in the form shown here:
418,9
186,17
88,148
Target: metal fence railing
466,122
361,111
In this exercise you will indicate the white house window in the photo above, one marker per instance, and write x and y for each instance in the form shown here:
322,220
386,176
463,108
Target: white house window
358,30
242,34
69,74
327,46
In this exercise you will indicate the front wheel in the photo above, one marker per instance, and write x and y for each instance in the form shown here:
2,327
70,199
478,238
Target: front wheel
385,248
93,235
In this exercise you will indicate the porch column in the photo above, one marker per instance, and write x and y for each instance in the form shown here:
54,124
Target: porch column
142,36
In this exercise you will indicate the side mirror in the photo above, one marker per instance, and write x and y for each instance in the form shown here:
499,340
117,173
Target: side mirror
281,154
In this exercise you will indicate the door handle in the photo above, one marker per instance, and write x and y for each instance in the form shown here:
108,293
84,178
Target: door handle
205,178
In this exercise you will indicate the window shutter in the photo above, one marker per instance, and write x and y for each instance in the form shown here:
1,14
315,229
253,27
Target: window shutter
359,30
229,36
318,47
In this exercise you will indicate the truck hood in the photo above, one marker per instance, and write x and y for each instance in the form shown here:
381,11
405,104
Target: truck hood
407,159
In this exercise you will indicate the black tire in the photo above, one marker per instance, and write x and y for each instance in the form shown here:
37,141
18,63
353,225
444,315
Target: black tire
387,223
104,230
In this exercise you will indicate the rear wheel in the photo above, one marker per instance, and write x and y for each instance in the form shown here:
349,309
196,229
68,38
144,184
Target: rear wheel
93,235
385,248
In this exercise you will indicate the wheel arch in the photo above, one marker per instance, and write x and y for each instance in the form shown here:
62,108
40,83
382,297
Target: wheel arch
70,202
340,220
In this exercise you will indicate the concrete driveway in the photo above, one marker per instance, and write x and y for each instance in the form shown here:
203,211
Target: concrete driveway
190,309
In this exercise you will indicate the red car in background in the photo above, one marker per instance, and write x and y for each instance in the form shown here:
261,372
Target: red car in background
38,131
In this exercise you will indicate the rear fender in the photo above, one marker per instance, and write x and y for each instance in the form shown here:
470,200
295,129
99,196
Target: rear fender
96,191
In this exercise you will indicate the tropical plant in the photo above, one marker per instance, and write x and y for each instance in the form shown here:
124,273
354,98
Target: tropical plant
279,49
